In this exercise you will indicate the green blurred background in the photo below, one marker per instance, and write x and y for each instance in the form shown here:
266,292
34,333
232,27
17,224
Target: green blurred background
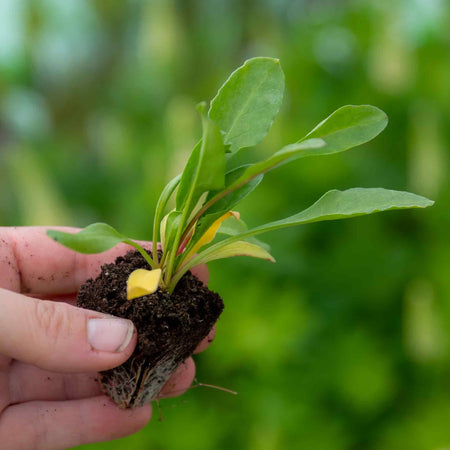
343,344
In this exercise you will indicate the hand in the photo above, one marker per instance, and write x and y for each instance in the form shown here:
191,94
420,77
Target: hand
51,351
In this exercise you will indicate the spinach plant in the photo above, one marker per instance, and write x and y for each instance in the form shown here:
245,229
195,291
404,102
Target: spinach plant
203,226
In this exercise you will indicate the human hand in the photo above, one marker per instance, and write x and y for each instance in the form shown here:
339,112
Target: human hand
51,351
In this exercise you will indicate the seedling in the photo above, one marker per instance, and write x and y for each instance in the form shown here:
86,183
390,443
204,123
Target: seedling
204,226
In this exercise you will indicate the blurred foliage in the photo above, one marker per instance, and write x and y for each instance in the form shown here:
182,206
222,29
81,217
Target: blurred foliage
343,344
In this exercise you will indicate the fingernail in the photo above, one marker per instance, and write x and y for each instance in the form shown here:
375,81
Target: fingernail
110,335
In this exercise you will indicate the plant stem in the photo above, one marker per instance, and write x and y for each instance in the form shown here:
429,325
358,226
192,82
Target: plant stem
173,253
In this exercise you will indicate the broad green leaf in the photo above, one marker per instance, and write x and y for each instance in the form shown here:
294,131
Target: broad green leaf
205,169
350,203
246,105
95,238
348,127
333,205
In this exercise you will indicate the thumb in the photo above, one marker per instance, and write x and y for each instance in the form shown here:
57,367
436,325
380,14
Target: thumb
60,337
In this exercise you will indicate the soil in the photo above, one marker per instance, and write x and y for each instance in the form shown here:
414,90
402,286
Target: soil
169,326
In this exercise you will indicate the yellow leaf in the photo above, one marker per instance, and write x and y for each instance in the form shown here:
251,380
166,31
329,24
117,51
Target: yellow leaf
210,233
142,282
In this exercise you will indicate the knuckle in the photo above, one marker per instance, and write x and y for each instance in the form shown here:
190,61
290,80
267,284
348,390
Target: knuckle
51,320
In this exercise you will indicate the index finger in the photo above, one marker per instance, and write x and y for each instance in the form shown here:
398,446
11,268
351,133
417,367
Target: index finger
31,262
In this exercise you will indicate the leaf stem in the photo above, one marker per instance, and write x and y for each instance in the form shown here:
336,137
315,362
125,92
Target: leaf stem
143,252
175,245
211,202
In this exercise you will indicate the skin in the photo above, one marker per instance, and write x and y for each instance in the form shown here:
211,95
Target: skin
50,397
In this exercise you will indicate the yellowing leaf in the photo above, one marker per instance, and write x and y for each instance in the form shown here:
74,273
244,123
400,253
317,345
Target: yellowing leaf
210,233
143,282
239,248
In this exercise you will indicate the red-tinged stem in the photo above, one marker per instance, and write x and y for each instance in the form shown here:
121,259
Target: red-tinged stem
208,205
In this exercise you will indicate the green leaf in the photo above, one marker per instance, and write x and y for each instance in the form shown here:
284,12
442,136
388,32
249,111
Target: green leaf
246,105
350,203
95,238
205,169
348,127
332,206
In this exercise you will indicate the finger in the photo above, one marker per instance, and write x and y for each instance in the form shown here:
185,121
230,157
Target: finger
61,425
29,383
202,273
59,337
31,262
71,299
206,341
180,381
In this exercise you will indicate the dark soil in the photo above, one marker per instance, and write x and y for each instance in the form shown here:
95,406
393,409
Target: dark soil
170,326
